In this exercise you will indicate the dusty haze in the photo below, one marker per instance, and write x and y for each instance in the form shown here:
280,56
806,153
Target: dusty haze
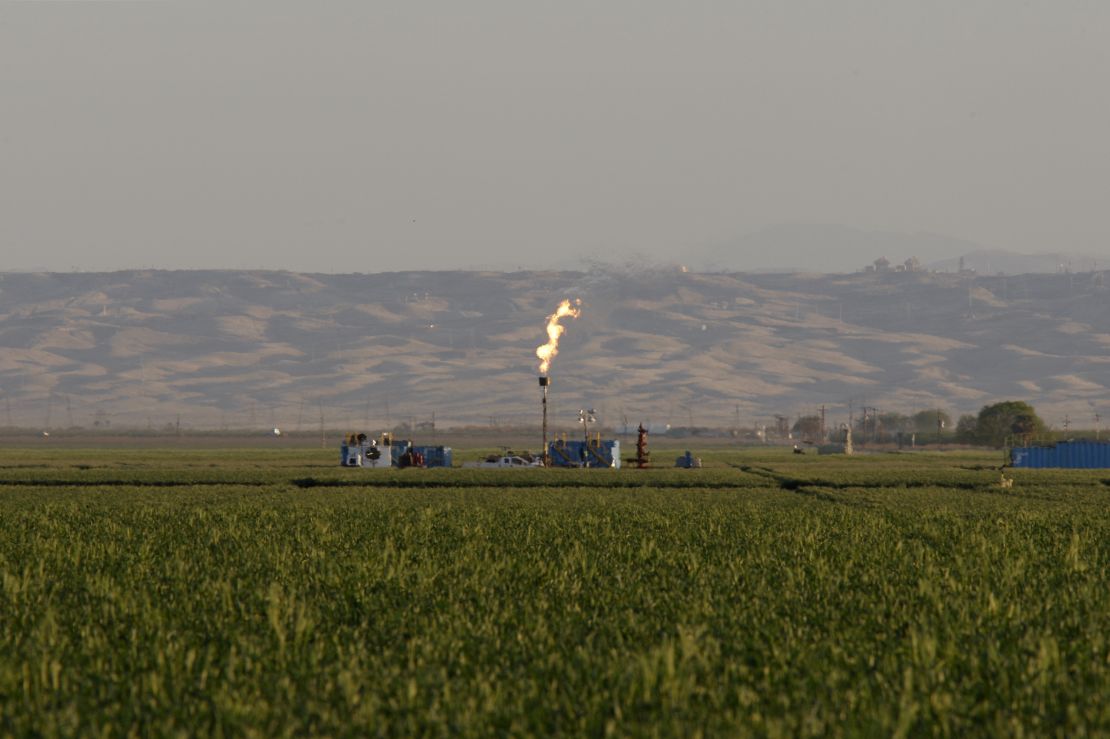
333,137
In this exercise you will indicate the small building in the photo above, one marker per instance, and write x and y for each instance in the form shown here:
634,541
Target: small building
1076,454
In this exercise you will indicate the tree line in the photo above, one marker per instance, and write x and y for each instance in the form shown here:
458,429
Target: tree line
994,425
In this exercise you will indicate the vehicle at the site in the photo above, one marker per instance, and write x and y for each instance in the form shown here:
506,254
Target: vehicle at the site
508,460
384,452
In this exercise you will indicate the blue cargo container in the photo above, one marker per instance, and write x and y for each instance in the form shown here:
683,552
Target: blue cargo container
434,456
568,453
1083,455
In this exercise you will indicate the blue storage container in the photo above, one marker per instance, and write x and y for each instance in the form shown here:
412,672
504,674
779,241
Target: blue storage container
435,456
570,453
1085,455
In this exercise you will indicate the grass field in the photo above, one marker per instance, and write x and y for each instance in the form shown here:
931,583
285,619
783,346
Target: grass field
270,592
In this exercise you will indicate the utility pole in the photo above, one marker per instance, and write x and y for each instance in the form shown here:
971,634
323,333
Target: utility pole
1067,422
1098,430
871,414
586,417
782,426
940,426
822,431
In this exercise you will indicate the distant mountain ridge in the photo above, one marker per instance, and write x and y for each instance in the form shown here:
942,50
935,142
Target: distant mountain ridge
838,249
827,248
249,348
995,261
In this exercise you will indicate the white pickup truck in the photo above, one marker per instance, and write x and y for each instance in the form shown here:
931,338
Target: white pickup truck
507,461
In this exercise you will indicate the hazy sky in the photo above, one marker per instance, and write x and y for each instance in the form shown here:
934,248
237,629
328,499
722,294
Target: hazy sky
503,133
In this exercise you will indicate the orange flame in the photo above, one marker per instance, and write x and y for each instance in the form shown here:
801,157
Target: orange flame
548,351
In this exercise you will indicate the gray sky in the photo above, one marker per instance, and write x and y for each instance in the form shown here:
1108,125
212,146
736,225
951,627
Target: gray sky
385,135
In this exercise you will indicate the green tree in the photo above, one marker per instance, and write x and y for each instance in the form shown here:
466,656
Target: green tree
892,422
808,427
966,429
925,422
1002,420
881,427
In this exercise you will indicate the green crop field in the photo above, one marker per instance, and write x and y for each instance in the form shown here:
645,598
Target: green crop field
268,592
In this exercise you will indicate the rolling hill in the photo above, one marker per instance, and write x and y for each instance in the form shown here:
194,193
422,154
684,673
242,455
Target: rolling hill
260,349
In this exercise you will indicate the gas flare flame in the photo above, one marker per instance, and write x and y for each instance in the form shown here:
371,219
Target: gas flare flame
548,351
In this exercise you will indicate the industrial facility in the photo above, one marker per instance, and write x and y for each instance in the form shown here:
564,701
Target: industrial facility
359,450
